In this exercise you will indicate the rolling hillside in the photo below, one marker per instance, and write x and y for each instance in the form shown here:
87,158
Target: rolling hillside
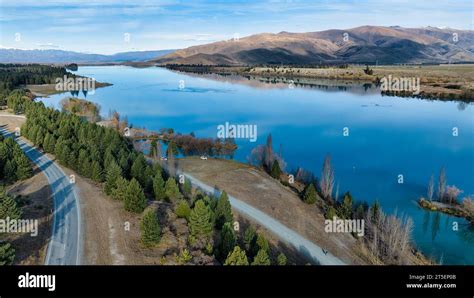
366,44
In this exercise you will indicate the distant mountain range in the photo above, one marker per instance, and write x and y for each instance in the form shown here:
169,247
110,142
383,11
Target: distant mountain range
60,56
366,44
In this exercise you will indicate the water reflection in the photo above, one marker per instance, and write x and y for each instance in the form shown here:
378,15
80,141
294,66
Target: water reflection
435,226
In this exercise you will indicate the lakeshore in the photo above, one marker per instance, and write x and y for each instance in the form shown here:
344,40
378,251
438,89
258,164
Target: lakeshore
306,124
448,81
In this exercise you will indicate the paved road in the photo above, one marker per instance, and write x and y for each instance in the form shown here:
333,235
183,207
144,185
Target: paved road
65,245
303,245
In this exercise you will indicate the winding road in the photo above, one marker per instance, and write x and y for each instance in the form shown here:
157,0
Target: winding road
65,245
300,243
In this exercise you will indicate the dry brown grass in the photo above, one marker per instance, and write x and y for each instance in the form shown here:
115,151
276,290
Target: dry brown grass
258,189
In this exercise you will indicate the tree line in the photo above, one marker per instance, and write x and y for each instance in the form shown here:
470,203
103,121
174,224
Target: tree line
14,166
14,75
105,156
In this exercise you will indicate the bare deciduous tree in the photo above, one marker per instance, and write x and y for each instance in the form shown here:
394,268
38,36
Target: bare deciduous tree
389,237
431,188
304,176
442,184
468,205
326,183
264,156
451,195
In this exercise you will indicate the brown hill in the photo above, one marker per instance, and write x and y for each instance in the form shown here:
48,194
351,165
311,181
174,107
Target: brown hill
366,44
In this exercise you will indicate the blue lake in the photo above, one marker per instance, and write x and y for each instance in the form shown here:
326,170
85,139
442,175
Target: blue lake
388,136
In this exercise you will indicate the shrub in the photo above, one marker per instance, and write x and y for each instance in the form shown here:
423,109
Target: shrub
261,258
310,195
237,257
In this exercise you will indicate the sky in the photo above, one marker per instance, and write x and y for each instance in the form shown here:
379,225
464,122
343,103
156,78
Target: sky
110,26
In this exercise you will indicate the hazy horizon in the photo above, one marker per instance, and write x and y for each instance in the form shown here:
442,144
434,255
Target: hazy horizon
173,24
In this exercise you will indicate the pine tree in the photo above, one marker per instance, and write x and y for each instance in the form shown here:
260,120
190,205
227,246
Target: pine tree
261,258
330,213
276,171
262,243
149,174
237,258
150,228
39,138
227,242
159,187
23,169
187,187
346,207
360,212
7,254
8,206
120,191
183,210
48,145
281,259
9,171
375,211
250,237
200,224
96,172
223,210
135,200
310,194
113,173
138,168
172,190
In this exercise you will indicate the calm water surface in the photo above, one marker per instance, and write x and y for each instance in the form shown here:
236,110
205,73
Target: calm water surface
388,136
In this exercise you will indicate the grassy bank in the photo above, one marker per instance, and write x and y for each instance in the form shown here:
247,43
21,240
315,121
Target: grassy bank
451,82
458,210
